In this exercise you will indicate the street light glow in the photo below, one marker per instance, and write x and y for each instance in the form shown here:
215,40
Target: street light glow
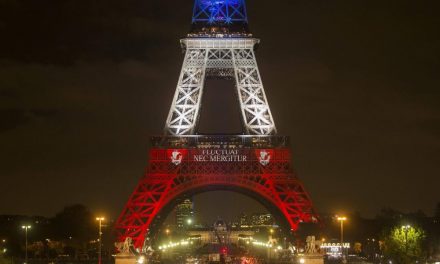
342,218
25,228
141,260
100,219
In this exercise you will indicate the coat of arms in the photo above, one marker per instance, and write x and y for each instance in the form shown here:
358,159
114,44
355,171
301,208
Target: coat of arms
264,157
176,157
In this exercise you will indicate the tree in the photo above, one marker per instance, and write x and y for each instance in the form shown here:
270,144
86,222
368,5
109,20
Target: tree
4,260
403,244
74,223
437,212
388,213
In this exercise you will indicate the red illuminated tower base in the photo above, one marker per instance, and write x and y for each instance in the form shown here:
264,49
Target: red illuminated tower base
257,166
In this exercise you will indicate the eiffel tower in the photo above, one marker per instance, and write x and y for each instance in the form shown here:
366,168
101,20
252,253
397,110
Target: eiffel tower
183,163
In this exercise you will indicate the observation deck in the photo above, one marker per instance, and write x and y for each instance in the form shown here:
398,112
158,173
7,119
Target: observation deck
220,141
219,43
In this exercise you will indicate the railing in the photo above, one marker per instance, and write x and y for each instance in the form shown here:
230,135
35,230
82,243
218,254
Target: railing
219,43
220,141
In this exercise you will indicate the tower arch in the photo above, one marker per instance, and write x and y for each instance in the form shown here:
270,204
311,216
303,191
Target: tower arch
271,207
184,165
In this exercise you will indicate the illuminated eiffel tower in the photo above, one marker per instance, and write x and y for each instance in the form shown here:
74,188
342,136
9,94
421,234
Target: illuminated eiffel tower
183,163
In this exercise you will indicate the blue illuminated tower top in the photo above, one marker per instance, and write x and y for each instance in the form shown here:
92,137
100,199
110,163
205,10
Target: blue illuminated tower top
213,17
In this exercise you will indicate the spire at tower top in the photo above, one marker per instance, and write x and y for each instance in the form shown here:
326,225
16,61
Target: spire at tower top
219,17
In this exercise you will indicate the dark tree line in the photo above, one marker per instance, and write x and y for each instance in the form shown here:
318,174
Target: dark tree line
70,233
73,232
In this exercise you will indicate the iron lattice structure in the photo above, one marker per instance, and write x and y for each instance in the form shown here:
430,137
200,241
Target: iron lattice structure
219,11
181,164
220,57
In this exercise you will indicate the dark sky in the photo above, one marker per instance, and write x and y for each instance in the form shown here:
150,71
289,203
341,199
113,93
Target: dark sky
83,83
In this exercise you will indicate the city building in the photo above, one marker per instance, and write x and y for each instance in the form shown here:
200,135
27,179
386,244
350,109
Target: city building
259,219
244,220
219,233
184,214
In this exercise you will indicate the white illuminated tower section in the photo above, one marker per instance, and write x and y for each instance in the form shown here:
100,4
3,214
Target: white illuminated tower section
220,46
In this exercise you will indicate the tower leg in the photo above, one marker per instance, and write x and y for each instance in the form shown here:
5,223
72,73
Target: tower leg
257,117
185,108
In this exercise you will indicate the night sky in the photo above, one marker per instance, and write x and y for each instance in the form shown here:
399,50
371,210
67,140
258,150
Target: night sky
83,83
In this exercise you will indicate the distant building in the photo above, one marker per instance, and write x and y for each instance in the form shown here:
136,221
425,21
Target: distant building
21,219
221,234
259,219
184,213
254,220
244,220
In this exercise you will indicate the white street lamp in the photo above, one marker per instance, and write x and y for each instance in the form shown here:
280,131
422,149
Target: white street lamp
342,219
100,219
26,228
